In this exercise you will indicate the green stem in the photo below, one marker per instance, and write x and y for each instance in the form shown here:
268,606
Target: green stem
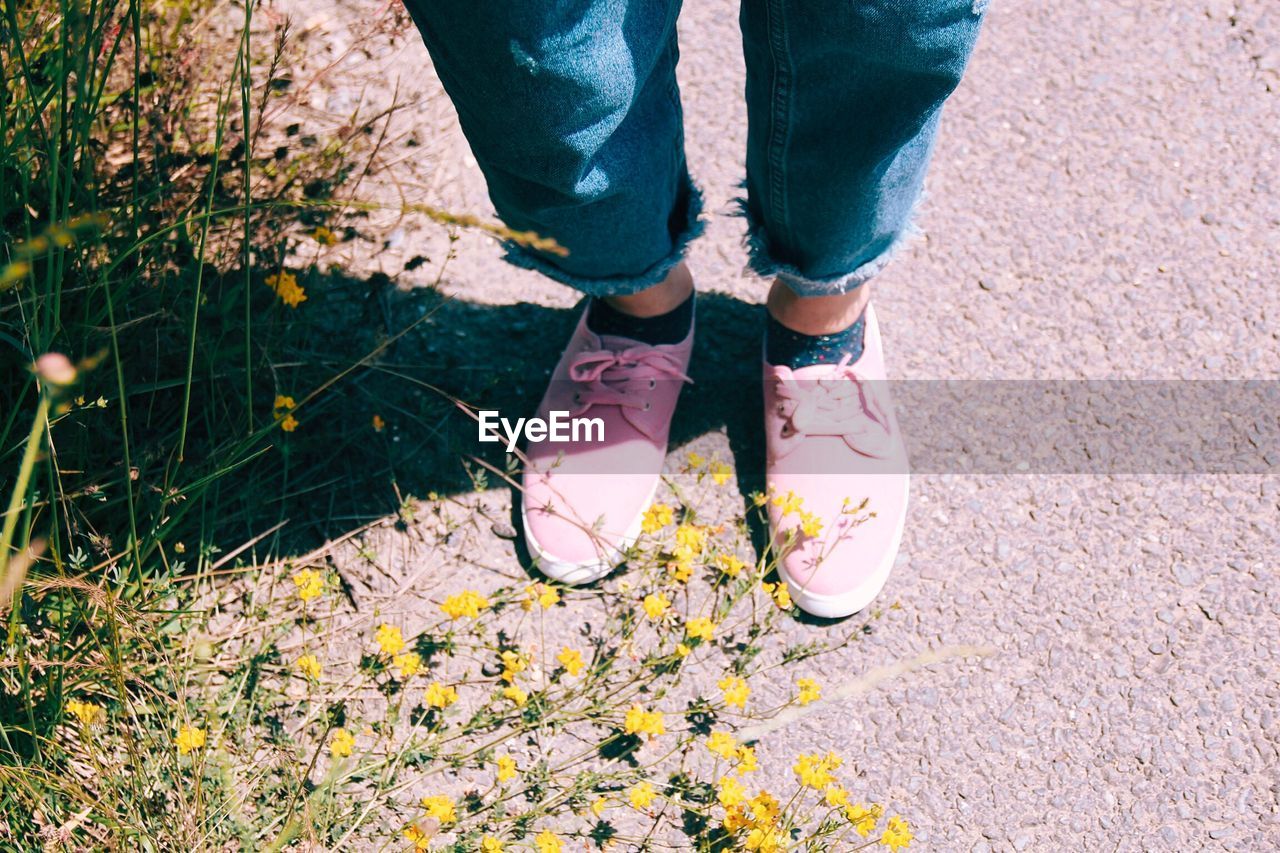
246,87
16,500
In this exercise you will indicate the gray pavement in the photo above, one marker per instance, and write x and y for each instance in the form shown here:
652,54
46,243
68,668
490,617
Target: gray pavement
1105,202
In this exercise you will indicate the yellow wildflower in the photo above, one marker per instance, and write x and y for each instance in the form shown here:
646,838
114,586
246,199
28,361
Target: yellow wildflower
656,604
720,472
489,844
598,807
814,771
735,818
419,839
747,759
657,517
730,792
441,808
736,690
409,664
378,423
764,840
10,275
809,690
440,696
309,666
540,595
730,564
810,524
547,842
836,796
780,594
789,503
309,583
571,660
515,694
701,628
506,768
897,834
467,603
283,404
85,712
681,568
640,721
513,663
390,640
722,744
286,286
683,651
341,744
289,424
696,460
190,738
764,807
641,795
324,236
863,818
692,537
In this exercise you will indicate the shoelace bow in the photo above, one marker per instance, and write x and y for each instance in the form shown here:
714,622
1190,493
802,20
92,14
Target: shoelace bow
837,405
621,378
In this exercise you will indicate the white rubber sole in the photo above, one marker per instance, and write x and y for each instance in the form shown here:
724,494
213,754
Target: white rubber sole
847,603
578,574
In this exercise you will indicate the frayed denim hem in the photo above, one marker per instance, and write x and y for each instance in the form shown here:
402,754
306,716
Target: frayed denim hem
618,285
766,266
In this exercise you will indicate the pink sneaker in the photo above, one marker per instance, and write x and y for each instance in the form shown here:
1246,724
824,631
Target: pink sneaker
833,442
583,501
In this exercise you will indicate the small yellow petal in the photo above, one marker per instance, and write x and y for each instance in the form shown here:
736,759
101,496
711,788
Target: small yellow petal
189,739
341,743
309,666
641,795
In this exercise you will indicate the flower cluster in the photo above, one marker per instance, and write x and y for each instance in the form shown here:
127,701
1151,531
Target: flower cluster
189,739
466,604
459,709
282,411
285,286
86,712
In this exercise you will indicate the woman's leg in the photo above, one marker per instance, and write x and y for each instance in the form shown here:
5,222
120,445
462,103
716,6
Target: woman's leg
572,112
843,101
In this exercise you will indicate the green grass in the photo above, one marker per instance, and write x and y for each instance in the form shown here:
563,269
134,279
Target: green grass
137,224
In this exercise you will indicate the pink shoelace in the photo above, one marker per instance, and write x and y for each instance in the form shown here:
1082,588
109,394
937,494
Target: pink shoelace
839,404
622,378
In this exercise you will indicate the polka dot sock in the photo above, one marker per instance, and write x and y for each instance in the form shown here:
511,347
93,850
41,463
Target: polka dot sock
786,348
669,328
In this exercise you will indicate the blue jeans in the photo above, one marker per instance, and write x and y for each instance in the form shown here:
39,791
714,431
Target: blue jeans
573,114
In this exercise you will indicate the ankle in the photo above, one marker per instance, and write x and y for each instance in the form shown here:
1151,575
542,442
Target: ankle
817,315
662,298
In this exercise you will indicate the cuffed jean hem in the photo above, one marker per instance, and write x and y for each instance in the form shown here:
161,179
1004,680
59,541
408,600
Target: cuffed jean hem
763,264
690,230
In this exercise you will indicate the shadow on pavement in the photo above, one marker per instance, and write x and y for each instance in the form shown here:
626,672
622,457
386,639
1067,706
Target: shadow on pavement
342,472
